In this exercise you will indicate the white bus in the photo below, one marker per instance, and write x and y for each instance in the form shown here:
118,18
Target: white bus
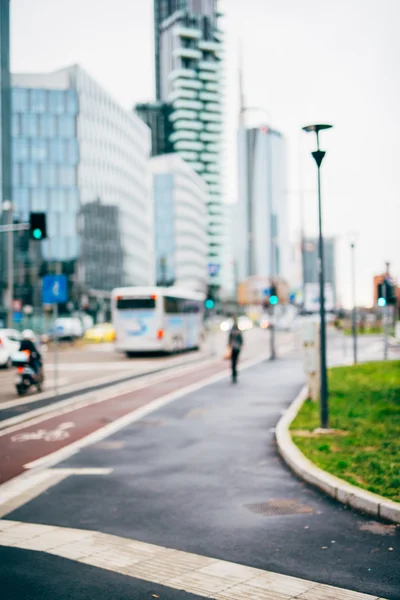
157,319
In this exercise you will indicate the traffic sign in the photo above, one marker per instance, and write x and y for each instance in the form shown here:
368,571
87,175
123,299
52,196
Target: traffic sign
54,289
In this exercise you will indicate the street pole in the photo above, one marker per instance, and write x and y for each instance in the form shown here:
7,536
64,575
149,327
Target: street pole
272,335
385,318
7,205
354,311
318,156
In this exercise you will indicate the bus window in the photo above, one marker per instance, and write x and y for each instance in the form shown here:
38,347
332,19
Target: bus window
135,303
172,306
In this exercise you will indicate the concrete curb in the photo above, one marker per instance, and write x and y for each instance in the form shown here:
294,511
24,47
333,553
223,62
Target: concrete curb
338,489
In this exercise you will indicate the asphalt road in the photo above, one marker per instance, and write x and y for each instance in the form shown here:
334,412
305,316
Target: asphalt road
202,475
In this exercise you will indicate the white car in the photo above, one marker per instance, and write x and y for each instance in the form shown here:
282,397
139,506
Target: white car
10,340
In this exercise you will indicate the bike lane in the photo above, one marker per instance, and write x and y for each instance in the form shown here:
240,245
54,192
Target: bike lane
34,441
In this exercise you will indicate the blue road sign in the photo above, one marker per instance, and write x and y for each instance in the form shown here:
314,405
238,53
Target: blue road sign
213,269
54,289
17,317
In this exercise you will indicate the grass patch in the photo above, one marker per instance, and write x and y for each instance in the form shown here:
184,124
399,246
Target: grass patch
365,403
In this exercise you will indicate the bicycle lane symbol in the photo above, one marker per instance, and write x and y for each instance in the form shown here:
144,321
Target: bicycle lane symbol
54,435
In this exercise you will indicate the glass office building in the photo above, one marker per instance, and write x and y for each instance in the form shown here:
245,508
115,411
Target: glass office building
180,223
262,245
83,160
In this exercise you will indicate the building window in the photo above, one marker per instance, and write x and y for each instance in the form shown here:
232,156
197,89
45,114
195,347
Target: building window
73,200
47,126
57,201
48,175
66,126
30,125
57,102
16,125
16,175
20,150
39,200
20,100
37,101
38,150
72,102
57,151
21,200
30,175
67,176
72,152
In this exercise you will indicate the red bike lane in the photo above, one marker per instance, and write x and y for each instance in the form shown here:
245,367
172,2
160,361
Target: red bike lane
34,441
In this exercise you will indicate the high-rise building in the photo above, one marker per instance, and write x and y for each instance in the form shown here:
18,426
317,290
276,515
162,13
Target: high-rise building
262,247
189,77
156,115
5,133
84,161
180,223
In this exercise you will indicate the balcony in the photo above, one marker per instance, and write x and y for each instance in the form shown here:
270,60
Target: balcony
187,32
209,45
212,87
183,135
214,127
197,166
189,145
209,116
192,84
209,157
212,166
208,76
209,96
183,114
186,73
213,107
210,137
188,104
187,53
213,147
189,156
211,177
185,124
209,65
182,93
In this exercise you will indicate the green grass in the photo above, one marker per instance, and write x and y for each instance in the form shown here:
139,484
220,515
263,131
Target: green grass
365,409
365,331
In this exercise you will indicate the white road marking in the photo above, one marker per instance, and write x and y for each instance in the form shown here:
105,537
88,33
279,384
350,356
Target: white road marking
195,574
55,435
26,487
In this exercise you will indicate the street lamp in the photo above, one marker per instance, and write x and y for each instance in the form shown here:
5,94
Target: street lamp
318,156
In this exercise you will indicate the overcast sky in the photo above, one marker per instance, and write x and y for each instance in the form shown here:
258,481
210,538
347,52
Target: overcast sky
305,61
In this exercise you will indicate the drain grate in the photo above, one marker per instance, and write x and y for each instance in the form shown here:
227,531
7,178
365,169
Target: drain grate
280,507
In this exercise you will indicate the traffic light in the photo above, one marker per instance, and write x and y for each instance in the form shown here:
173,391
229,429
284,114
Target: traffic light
273,296
209,304
37,223
391,289
381,295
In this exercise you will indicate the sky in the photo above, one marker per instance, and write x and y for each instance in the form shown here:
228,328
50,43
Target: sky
304,62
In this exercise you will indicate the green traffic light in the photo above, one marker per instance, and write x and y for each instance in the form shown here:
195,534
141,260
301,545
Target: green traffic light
381,302
37,234
209,304
273,300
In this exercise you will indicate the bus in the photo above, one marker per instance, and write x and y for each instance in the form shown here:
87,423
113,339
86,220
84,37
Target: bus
157,319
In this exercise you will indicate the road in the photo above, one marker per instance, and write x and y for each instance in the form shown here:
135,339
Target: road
194,470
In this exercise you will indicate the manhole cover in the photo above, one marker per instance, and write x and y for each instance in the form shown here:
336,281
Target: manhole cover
276,508
110,445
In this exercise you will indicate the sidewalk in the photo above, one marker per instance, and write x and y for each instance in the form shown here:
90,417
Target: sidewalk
202,475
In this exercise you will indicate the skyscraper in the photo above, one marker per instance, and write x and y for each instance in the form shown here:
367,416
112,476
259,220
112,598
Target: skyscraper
5,129
188,55
156,115
262,246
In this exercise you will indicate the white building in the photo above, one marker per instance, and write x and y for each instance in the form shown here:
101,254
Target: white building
84,160
261,240
180,223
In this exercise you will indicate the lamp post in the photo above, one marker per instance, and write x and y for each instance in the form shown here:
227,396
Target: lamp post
318,156
353,300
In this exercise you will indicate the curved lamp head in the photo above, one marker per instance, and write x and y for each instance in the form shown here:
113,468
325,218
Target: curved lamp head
316,128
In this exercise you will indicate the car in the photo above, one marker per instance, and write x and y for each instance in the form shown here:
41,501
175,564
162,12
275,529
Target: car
102,332
67,328
10,340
